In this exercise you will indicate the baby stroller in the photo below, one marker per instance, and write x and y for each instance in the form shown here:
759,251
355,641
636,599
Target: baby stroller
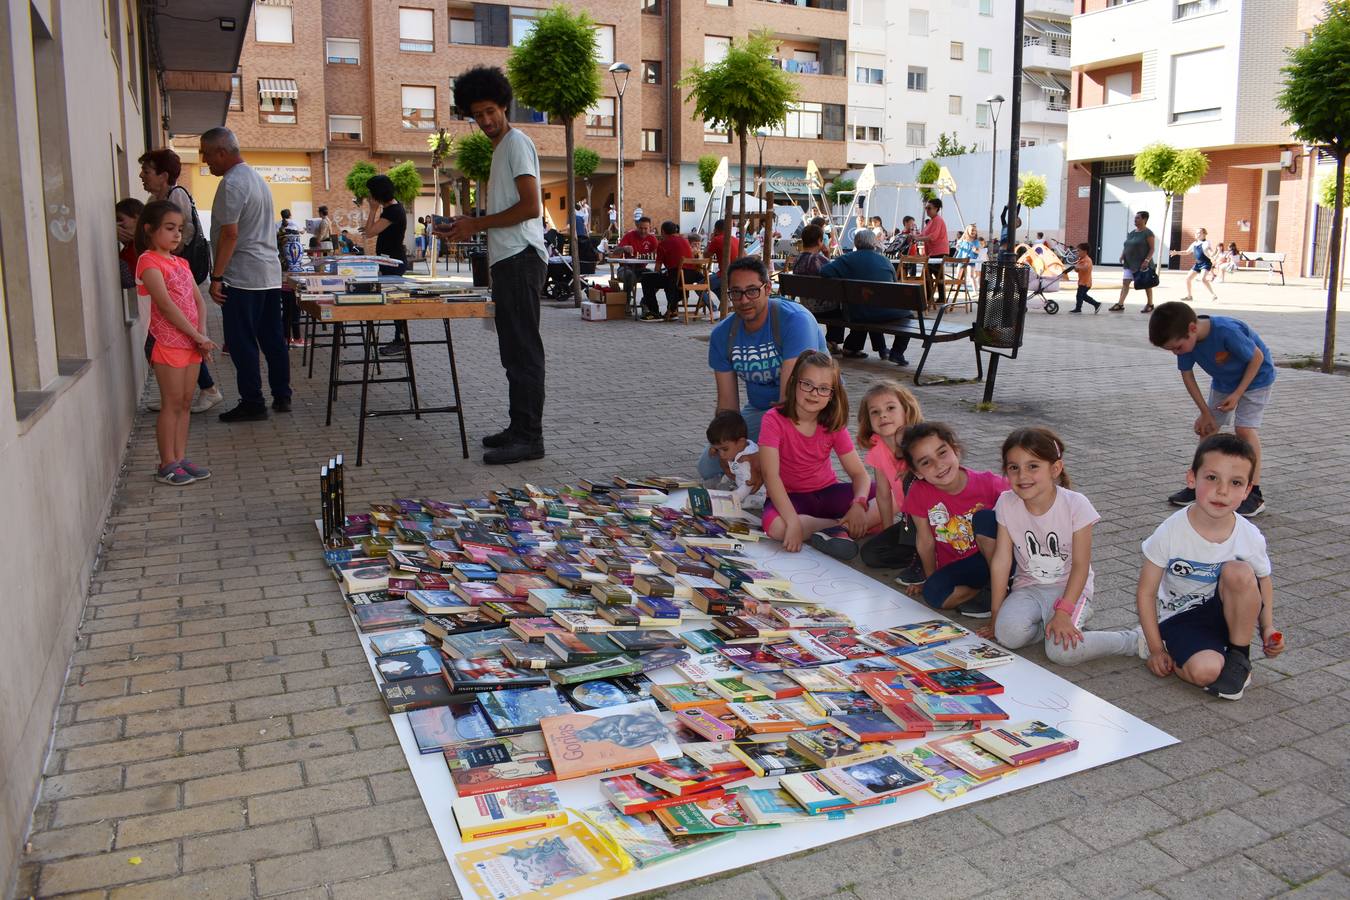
558,283
1046,272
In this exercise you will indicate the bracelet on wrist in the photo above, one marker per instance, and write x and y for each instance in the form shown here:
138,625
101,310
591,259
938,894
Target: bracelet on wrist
1064,605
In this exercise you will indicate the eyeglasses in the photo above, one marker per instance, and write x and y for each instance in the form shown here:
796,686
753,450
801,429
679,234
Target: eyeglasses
750,293
820,390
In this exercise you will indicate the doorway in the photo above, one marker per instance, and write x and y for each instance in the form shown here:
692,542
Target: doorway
1270,211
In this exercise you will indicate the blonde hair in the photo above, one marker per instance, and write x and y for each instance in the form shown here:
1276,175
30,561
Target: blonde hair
834,415
908,403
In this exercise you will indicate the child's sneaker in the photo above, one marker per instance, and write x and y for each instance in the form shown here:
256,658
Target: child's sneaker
1254,505
981,606
174,474
207,400
836,543
1183,497
1140,643
1233,680
911,575
198,473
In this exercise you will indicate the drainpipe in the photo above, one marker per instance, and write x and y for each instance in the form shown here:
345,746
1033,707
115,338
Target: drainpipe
325,166
670,93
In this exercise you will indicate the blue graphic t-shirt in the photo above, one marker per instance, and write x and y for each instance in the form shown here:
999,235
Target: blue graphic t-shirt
1191,564
1225,352
754,357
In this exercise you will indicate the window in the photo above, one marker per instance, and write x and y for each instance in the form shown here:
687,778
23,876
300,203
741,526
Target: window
519,112
986,60
687,204
522,23
343,51
866,133
344,129
1193,97
803,121
1188,8
986,7
715,49
958,50
954,104
917,79
604,44
237,91
651,140
600,118
416,30
462,31
651,7
272,24
419,107
914,134
981,115
1026,142
276,101
719,2
1119,87
868,75
651,71
918,22
713,135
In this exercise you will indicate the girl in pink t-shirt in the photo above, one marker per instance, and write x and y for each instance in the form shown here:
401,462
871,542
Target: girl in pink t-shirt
887,409
177,314
1047,530
796,439
953,510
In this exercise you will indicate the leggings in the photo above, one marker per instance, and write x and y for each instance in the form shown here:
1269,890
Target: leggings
1025,613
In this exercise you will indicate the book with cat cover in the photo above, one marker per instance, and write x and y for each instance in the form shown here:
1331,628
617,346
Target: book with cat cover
405,641
617,737
981,655
541,865
438,727
507,812
399,666
485,644
873,779
606,692
771,758
932,631
714,815
516,710
416,693
392,615
831,747
1025,742
476,675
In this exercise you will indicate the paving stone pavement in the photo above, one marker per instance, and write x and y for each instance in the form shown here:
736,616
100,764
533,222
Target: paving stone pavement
221,736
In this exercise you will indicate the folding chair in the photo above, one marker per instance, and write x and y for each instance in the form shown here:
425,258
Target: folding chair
956,277
700,284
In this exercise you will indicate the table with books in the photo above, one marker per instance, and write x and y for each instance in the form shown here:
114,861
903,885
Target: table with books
401,300
591,682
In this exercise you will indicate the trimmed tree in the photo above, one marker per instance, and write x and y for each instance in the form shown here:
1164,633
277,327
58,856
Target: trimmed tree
1171,171
1316,96
1031,192
357,177
707,168
407,182
553,70
584,163
473,158
928,174
743,93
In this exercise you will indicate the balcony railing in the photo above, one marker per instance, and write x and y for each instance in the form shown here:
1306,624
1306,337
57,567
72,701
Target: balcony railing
1054,46
799,67
838,5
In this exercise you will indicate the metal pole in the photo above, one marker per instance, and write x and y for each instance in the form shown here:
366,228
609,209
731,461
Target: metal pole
619,183
1015,129
993,173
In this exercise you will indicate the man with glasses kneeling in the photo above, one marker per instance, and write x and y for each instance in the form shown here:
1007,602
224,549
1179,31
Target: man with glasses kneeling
758,345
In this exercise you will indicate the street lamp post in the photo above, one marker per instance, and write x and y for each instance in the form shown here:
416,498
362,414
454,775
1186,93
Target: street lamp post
760,136
995,103
619,71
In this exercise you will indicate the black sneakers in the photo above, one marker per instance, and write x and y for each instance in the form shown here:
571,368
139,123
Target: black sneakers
912,574
1183,497
1234,678
245,412
1254,505
981,606
282,404
500,439
514,452
835,543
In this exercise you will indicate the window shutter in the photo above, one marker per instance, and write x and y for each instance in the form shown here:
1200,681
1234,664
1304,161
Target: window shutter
832,128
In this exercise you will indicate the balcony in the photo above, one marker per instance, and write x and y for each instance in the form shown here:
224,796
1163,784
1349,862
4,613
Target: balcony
1116,129
1058,8
1046,111
835,5
1044,51
1118,32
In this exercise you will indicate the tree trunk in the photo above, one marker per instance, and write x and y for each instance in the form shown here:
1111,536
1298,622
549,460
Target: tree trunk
725,258
740,223
1334,265
571,212
1162,246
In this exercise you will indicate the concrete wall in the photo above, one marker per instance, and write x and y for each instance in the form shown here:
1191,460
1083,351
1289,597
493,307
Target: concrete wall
70,130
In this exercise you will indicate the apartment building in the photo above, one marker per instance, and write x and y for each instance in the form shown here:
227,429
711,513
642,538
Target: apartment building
78,105
325,83
1198,74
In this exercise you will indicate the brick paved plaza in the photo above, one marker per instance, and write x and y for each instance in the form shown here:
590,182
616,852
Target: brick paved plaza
221,734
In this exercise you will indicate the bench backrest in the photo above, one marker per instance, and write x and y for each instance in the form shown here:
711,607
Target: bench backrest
884,294
811,287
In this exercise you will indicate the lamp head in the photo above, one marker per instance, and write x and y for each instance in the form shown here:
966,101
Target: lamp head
619,72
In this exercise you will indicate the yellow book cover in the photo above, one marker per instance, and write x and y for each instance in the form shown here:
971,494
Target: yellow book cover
507,812
553,864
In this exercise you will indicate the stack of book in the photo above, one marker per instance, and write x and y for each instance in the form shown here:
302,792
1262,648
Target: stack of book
521,632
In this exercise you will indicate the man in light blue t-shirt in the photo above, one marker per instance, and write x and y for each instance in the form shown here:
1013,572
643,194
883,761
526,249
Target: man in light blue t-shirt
758,346
517,256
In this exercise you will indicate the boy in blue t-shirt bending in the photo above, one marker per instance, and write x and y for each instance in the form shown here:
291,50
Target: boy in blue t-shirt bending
1241,376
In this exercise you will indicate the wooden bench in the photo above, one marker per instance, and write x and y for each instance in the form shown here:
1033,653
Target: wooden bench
1270,263
883,295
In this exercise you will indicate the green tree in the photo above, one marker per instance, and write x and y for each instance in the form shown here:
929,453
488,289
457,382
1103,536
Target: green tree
928,174
407,181
707,168
357,177
473,159
838,186
1031,191
1326,190
553,70
1171,171
1316,97
584,163
950,146
743,93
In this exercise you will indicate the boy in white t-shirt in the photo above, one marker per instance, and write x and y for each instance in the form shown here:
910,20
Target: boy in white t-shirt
730,442
1205,584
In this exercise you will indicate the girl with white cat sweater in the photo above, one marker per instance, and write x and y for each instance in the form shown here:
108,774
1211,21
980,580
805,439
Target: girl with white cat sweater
1047,530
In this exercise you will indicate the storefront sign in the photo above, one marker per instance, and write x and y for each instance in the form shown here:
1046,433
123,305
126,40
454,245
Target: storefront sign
284,174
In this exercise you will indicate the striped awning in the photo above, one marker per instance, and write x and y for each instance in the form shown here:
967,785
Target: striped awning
1045,26
1045,81
277,89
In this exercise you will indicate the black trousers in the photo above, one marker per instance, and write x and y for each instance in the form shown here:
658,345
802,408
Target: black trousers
891,548
517,282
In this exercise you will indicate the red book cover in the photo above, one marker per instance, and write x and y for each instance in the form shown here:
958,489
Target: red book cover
629,796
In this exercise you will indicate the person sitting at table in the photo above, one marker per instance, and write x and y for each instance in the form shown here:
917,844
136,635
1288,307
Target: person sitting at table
671,252
879,229
865,263
715,243
639,243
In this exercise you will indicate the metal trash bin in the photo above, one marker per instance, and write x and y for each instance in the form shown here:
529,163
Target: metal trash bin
478,265
1001,315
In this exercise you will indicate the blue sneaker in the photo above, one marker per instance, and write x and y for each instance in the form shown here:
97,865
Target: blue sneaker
198,473
174,474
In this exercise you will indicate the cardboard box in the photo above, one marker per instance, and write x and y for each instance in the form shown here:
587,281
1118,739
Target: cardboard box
607,297
594,312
